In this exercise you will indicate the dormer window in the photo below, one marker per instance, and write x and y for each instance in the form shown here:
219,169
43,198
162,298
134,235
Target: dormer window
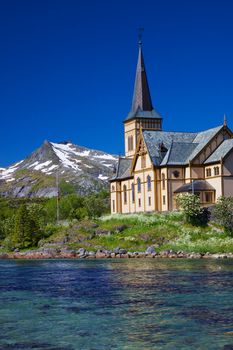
162,148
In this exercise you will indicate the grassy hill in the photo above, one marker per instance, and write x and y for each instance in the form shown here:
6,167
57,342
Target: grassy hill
136,232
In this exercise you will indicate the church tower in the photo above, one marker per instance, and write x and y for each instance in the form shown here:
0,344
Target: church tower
142,114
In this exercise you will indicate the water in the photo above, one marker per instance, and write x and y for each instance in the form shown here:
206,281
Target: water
116,304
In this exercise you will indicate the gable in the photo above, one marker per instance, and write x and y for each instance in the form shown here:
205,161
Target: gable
141,158
209,145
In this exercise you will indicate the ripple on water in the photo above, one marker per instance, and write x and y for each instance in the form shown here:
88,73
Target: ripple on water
118,304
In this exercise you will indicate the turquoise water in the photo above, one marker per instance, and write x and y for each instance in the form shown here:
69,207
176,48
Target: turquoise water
116,304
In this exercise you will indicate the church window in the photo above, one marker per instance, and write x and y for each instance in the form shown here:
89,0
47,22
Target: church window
163,181
139,185
113,205
143,161
130,143
164,200
113,188
133,193
208,197
148,183
149,201
208,172
216,170
176,173
139,202
125,194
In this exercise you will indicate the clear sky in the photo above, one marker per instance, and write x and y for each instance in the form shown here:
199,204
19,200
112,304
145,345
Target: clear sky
67,68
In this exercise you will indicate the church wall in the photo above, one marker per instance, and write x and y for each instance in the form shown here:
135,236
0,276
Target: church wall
115,197
228,186
228,175
164,190
130,130
215,179
125,204
187,174
197,173
228,165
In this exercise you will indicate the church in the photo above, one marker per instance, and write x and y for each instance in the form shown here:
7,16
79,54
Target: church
159,164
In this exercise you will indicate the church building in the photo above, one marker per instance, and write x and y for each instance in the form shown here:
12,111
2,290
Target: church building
159,164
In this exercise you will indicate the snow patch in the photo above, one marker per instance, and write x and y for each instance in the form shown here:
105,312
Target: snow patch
33,164
42,165
105,156
11,179
102,177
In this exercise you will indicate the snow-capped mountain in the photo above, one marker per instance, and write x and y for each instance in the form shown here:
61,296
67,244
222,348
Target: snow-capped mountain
85,169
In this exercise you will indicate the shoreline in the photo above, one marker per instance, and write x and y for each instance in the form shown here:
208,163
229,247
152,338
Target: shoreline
52,253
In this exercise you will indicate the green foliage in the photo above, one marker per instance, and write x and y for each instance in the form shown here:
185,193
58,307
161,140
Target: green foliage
223,212
66,188
26,231
95,205
190,205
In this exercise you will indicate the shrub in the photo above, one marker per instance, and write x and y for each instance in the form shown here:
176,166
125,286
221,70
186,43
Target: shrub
223,212
190,205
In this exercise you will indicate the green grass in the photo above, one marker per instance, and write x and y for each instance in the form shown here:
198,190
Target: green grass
164,231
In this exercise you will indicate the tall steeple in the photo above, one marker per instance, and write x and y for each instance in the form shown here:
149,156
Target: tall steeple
142,115
141,95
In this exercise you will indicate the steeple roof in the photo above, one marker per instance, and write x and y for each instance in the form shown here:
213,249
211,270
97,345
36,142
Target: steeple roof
141,104
141,95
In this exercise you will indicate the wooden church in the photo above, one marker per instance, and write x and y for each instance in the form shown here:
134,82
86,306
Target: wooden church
160,164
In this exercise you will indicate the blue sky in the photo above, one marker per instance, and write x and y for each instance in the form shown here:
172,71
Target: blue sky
67,69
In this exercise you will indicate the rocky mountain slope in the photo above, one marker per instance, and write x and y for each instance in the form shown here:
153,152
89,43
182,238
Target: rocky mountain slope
85,169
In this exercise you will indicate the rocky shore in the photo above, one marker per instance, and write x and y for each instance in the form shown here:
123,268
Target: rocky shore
66,253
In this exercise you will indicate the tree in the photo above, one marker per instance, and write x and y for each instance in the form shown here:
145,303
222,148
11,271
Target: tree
96,205
26,231
190,205
223,212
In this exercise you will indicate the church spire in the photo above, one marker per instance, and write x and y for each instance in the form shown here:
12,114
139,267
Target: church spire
141,95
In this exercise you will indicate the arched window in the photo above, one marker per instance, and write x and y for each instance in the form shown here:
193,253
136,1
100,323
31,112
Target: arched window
216,170
130,143
148,183
139,185
163,181
113,188
133,193
125,194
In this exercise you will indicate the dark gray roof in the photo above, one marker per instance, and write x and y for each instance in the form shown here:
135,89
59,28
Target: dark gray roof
154,140
203,138
123,169
178,153
180,147
139,113
225,147
197,185
142,106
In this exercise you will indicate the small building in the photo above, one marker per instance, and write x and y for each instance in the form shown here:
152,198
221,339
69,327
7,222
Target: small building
159,164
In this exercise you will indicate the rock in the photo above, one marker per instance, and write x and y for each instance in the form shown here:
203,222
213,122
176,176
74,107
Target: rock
116,250
120,228
91,254
81,251
100,255
150,250
123,251
100,232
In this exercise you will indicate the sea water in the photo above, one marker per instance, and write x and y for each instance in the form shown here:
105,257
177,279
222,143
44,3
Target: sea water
134,304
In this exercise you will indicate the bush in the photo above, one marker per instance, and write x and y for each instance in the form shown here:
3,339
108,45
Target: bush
223,212
190,205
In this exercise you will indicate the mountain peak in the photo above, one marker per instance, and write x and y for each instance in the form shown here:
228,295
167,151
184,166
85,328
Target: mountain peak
86,169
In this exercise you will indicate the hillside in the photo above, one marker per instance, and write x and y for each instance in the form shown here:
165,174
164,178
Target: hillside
86,170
